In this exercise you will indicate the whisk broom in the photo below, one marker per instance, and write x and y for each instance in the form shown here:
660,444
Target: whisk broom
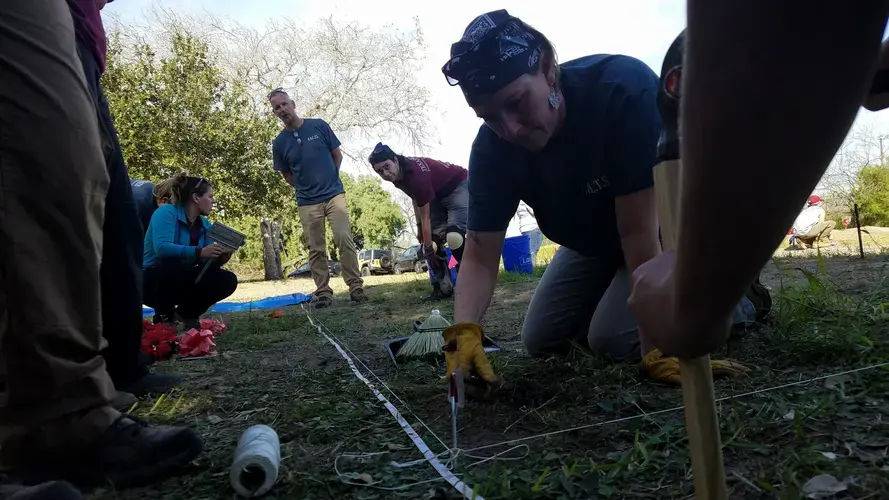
427,338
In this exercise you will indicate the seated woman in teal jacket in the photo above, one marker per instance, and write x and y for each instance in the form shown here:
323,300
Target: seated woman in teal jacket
176,250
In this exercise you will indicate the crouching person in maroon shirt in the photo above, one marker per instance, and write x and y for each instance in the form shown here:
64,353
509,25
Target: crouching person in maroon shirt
440,194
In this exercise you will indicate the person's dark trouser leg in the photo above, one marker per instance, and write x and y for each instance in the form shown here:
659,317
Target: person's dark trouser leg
52,194
164,285
456,214
216,285
613,330
55,421
565,300
121,275
438,220
535,238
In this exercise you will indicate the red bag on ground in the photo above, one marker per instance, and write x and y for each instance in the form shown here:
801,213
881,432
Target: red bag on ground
196,343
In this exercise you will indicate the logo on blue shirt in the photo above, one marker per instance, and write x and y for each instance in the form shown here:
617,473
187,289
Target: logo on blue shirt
593,187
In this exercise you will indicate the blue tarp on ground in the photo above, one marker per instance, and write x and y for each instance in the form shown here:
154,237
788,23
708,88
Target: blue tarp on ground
290,299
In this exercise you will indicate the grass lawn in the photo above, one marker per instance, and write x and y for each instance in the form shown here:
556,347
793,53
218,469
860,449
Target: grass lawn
829,317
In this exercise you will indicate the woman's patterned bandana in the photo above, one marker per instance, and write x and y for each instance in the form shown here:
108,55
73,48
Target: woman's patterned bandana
495,49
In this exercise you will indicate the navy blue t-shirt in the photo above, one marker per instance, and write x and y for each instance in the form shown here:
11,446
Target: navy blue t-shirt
606,148
306,153
146,204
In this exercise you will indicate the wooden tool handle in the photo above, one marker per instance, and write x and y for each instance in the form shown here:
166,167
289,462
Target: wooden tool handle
701,421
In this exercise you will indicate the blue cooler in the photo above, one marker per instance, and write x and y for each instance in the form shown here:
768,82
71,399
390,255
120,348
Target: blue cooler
517,255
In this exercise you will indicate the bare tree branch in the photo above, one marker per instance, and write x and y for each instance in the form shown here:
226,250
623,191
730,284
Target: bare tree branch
361,80
863,147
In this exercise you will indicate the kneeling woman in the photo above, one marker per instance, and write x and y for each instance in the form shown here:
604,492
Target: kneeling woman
177,249
440,194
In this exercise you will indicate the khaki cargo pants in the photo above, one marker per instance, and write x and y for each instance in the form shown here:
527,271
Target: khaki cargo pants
53,183
313,219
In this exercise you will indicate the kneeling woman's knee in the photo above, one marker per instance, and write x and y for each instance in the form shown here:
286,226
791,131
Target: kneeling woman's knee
228,283
619,345
540,342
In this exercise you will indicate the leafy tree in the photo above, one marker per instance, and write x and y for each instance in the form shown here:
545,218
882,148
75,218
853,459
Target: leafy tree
177,113
872,195
182,101
361,80
376,219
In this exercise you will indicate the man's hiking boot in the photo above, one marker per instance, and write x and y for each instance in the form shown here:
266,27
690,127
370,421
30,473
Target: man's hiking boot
357,295
153,383
129,453
52,490
321,301
438,292
123,401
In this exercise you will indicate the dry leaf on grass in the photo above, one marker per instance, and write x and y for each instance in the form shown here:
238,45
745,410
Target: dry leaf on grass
823,486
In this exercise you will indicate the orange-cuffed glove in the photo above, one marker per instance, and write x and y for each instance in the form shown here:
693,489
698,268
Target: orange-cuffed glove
463,349
666,369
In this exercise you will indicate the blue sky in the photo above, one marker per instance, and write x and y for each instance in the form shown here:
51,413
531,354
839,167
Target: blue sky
640,28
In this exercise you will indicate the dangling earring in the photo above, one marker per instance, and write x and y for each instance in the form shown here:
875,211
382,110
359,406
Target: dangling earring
554,99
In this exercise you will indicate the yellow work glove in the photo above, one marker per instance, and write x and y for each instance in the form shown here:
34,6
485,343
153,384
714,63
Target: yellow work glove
666,369
463,349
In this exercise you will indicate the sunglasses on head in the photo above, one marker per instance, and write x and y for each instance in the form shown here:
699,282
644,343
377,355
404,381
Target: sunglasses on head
201,180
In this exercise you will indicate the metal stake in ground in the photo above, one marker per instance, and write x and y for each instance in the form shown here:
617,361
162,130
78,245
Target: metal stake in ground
456,398
858,228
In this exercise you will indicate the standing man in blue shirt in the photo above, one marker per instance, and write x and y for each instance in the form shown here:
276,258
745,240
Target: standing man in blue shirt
307,153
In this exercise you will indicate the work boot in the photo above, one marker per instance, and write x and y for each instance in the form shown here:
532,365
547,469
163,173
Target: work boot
436,294
129,453
153,383
357,295
447,288
123,401
321,301
52,490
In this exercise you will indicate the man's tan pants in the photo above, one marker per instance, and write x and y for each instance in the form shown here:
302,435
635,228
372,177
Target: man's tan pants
336,212
819,232
53,182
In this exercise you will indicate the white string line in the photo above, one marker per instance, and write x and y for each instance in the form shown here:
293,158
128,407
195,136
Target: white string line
677,408
431,457
381,381
351,477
